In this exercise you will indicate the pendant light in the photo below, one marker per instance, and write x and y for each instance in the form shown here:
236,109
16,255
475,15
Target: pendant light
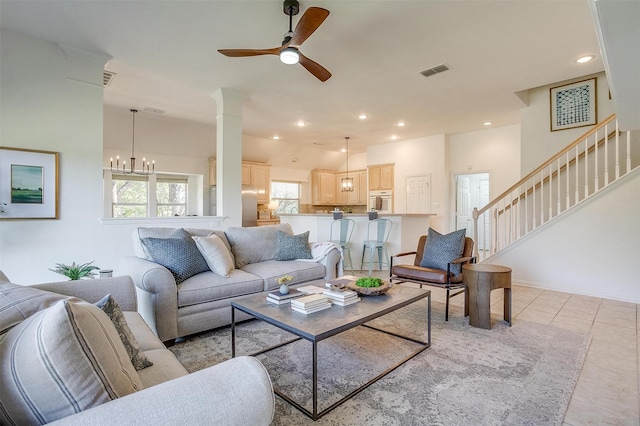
347,182
146,169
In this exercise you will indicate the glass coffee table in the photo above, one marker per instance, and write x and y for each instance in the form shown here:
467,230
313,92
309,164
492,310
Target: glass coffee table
321,325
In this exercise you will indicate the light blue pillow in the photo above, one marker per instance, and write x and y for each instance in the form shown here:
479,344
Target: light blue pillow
178,254
292,247
440,249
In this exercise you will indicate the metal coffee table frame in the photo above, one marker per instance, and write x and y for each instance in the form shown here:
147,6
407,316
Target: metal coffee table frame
330,322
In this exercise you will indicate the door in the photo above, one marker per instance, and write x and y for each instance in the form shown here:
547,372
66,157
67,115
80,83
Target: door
471,190
464,210
418,194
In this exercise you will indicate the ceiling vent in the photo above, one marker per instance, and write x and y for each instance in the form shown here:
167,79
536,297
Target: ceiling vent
435,70
107,76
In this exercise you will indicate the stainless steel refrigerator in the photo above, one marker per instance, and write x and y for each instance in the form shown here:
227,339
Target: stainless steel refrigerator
249,204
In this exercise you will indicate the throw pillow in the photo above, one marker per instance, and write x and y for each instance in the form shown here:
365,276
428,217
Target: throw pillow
255,244
178,254
442,249
18,302
110,307
215,253
292,247
60,361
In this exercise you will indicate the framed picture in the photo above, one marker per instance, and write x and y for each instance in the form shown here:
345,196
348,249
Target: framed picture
573,105
28,184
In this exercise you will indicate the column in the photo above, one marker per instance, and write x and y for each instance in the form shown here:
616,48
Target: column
229,154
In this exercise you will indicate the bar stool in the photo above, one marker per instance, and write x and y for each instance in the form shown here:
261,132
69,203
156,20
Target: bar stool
341,230
378,232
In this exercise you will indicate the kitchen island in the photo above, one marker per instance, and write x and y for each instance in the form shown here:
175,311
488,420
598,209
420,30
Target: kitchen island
406,229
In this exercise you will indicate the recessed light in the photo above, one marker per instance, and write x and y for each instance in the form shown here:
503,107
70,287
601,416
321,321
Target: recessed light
301,123
394,137
488,123
363,116
275,137
401,124
585,59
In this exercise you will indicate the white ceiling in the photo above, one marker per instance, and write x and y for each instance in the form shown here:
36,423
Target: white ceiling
164,54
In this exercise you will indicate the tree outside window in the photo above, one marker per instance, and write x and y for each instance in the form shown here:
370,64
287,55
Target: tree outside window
129,196
287,194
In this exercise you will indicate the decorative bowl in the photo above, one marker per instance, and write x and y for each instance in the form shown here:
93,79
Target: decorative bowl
370,291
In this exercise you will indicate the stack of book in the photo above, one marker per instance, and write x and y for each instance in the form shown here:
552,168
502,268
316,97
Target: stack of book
342,298
281,299
310,304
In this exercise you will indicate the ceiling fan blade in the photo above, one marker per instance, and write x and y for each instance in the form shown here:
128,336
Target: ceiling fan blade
308,23
238,53
320,72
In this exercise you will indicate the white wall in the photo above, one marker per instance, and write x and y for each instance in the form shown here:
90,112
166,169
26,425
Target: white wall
414,157
538,141
495,150
44,107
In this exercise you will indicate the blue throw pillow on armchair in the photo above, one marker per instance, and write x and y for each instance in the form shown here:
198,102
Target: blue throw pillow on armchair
178,253
440,249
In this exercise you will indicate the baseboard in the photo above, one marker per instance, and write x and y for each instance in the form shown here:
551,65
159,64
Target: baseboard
579,291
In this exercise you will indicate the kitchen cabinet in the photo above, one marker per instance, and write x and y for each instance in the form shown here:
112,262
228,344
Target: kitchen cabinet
323,187
349,198
363,193
258,175
381,177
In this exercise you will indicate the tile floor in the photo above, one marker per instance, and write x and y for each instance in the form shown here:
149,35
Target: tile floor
607,392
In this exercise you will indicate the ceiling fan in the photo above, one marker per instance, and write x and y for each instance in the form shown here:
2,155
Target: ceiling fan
289,52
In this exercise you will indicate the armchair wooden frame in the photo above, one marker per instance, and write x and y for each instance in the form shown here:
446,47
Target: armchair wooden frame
440,278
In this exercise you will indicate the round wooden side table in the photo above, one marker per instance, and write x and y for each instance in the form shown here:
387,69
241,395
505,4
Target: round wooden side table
480,279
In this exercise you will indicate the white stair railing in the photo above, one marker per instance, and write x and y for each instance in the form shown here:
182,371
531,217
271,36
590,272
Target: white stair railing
565,180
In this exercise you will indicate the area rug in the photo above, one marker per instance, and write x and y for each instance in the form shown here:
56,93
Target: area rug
520,375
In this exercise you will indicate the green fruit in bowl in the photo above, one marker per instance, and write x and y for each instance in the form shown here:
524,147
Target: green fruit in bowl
369,282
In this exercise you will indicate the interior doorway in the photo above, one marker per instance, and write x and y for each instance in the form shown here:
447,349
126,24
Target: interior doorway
471,190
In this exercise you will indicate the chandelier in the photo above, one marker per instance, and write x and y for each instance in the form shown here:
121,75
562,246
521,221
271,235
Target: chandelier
347,182
146,167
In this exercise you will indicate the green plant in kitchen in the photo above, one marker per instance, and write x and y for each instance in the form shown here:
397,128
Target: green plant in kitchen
75,271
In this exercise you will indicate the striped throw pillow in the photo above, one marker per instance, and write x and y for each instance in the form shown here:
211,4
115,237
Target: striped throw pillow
60,361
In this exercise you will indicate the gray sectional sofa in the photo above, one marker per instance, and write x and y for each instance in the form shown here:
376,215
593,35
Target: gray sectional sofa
178,307
81,373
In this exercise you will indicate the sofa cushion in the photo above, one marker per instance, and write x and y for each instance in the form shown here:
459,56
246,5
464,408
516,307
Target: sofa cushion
178,253
215,253
292,247
208,286
60,361
301,271
141,331
157,232
255,244
110,307
440,249
165,367
19,302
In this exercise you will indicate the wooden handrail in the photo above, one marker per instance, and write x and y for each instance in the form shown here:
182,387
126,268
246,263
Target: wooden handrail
545,164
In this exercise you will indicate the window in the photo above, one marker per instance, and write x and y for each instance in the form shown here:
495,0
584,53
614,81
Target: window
129,195
157,195
287,194
171,193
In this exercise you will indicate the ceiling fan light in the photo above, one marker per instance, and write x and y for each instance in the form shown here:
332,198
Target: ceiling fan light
289,55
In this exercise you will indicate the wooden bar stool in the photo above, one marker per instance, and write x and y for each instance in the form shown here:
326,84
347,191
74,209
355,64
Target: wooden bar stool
480,279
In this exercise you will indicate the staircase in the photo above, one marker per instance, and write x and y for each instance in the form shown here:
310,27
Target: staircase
592,163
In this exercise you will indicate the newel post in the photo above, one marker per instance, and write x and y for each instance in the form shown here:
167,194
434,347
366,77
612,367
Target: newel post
475,234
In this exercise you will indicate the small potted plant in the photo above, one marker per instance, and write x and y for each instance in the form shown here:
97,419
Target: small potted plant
284,283
76,272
